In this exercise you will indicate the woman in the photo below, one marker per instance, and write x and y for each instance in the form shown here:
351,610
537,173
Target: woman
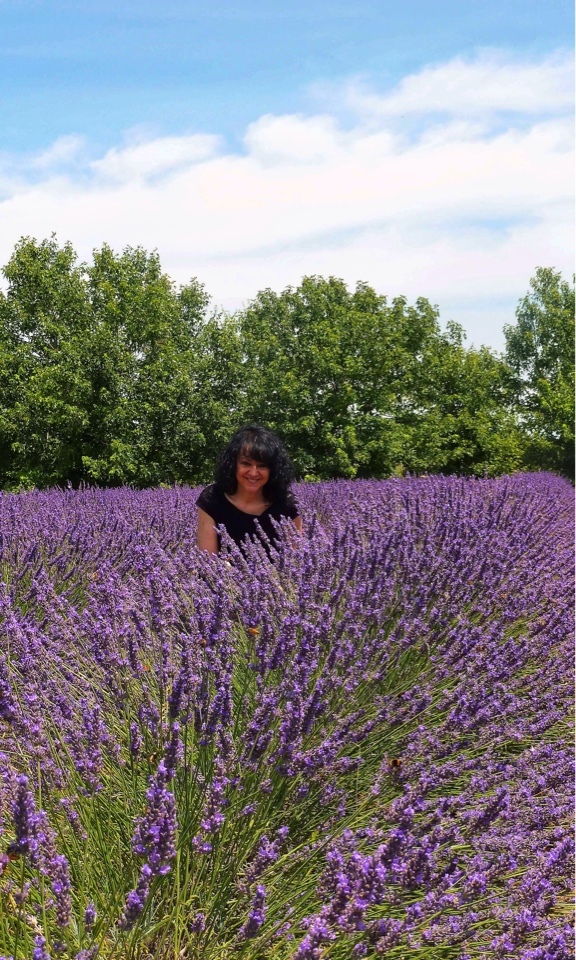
252,486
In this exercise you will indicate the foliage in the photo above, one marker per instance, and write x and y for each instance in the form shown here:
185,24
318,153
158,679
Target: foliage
362,749
358,387
99,370
465,423
219,376
145,424
109,374
540,352
44,324
303,363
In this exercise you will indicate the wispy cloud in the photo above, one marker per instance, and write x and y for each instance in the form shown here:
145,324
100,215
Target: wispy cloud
155,158
461,212
479,87
64,151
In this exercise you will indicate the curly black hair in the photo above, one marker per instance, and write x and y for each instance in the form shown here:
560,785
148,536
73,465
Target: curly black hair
263,445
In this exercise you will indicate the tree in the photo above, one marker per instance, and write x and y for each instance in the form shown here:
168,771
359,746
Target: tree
219,379
103,370
335,373
321,366
358,387
145,423
110,374
294,376
540,353
465,424
44,323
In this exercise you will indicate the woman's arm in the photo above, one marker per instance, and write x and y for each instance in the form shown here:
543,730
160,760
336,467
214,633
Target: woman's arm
297,521
207,538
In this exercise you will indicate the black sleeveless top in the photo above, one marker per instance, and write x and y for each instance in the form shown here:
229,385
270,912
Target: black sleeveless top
238,523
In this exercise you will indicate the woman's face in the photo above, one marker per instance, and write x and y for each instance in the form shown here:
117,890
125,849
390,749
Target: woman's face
251,475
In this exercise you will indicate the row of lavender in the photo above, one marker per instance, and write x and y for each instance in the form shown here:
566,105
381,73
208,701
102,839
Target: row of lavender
362,749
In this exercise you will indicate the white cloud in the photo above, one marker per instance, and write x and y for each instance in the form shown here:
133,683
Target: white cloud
294,139
487,84
462,213
62,151
154,158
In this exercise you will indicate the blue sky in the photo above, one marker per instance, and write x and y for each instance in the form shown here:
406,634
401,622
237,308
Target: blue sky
101,67
330,128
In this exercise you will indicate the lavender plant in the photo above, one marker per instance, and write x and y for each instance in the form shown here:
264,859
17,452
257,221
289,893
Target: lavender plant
360,749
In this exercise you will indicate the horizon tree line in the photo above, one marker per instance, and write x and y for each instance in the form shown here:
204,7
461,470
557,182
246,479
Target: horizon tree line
111,374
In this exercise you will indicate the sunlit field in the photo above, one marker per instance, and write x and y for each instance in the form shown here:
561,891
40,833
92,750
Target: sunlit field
359,749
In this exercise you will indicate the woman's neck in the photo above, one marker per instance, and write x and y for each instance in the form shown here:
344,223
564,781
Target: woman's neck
250,504
248,500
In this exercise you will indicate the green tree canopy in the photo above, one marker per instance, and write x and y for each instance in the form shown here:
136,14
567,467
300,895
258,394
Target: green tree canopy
358,387
145,425
101,370
540,352
109,374
44,388
465,423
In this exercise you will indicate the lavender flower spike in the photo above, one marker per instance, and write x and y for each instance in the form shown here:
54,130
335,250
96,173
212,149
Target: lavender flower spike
136,900
40,952
256,916
155,833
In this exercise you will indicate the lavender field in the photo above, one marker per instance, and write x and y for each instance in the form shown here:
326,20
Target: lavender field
362,749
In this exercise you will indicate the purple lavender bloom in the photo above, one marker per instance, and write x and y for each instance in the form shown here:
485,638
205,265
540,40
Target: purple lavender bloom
155,834
25,820
256,916
135,740
59,873
21,896
267,854
40,951
7,705
73,819
136,900
198,923
318,933
90,916
174,751
212,817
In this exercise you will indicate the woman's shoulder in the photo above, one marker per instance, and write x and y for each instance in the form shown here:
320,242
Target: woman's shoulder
286,506
210,498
